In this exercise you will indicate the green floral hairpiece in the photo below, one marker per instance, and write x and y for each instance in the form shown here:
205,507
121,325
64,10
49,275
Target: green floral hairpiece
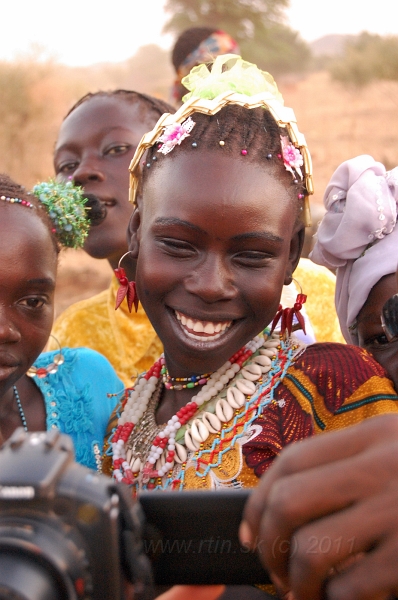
229,73
65,205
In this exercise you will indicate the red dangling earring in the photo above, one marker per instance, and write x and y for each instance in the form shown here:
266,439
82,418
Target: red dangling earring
127,288
286,315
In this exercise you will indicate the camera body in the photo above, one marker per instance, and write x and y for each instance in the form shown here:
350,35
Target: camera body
65,531
68,533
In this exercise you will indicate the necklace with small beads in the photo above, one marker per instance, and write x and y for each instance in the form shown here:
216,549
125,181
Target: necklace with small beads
181,383
20,409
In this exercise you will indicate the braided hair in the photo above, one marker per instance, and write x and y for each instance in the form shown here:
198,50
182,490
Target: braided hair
252,133
10,189
151,104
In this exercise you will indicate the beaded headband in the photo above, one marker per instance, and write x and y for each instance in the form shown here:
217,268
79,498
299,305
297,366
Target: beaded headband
269,99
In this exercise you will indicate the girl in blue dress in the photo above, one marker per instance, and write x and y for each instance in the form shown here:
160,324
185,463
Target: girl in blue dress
73,390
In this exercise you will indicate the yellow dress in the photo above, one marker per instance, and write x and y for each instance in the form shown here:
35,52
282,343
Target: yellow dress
318,283
128,340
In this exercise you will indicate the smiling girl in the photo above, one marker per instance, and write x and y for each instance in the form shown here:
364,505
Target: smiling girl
95,145
56,390
221,202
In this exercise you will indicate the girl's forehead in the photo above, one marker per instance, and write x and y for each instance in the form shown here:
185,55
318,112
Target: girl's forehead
25,238
102,113
208,181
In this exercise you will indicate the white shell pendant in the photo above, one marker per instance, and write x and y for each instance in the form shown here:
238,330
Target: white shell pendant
251,372
235,397
199,431
212,422
245,386
190,443
262,360
129,454
135,464
271,344
180,454
267,352
224,411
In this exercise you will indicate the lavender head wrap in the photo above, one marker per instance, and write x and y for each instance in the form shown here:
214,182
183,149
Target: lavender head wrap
358,234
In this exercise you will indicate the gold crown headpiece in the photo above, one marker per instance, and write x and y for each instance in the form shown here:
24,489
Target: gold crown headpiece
270,100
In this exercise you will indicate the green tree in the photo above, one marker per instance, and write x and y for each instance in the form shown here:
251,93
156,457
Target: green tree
368,58
258,26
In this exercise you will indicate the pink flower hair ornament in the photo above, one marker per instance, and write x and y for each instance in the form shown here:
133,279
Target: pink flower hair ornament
175,134
291,157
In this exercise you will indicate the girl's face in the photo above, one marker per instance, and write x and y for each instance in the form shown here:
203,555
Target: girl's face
28,265
95,146
216,241
371,335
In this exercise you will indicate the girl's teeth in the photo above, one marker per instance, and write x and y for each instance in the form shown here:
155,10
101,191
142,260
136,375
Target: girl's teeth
213,329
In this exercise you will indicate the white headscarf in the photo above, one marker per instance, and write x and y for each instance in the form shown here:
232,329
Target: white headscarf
358,234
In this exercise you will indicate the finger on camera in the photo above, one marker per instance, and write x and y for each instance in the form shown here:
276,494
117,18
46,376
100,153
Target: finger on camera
193,592
316,452
375,577
331,542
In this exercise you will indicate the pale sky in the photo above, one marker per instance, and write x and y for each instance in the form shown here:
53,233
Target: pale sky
82,32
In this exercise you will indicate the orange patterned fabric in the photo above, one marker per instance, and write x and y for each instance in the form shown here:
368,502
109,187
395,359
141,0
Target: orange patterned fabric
328,386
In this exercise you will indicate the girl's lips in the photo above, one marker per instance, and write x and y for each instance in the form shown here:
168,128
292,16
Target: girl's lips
202,330
6,371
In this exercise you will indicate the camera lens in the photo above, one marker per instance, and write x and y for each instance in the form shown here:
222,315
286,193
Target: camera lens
22,578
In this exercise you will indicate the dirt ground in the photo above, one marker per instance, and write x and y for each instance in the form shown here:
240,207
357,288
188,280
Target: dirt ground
338,124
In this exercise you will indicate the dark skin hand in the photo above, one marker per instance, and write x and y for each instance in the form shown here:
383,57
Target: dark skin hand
95,145
371,335
221,258
325,518
28,264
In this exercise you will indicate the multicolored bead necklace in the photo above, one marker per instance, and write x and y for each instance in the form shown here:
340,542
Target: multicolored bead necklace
17,201
181,383
146,455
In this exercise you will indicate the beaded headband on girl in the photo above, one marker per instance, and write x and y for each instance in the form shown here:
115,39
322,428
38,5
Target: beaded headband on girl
211,91
65,205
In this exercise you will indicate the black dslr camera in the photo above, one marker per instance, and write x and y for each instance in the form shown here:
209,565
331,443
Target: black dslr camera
67,533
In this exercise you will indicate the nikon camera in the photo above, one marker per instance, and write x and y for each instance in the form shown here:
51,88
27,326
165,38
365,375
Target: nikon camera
68,533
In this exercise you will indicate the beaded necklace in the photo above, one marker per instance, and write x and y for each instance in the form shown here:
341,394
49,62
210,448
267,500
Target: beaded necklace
20,409
155,456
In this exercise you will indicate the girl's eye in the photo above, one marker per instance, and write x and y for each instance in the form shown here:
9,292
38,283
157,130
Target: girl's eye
32,302
177,247
377,340
66,167
119,149
252,258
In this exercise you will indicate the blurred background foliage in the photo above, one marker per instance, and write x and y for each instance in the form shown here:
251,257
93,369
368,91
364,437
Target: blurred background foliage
257,25
343,88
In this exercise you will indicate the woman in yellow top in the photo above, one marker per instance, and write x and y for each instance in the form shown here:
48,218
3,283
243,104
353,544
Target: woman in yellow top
95,145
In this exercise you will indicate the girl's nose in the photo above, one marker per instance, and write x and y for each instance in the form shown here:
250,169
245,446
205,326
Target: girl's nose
212,280
88,170
8,332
